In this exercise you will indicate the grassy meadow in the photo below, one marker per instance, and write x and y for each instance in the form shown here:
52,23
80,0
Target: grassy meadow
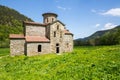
4,51
84,63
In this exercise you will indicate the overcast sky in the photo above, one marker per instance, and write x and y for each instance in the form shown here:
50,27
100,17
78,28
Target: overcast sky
82,17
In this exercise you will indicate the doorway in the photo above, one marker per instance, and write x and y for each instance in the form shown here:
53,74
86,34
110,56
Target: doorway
57,48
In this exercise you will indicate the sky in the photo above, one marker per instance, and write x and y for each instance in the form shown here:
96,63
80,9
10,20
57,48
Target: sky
81,17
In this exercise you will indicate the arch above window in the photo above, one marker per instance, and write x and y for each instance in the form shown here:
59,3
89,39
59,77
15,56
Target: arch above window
57,44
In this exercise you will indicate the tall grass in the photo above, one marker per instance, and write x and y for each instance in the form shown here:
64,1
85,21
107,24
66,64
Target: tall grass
4,51
84,63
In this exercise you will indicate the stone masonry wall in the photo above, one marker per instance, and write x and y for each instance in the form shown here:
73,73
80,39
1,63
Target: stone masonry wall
49,19
17,47
56,37
35,31
68,43
32,48
48,32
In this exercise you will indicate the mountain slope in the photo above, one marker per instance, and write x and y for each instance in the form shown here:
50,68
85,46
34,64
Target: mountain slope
10,22
8,16
98,36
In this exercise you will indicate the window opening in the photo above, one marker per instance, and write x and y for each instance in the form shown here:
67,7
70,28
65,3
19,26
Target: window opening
61,34
47,19
54,34
39,48
52,19
57,27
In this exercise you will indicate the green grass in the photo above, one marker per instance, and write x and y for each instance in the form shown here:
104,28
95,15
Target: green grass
84,63
4,51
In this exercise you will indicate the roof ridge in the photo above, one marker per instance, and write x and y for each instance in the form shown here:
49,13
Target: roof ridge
34,23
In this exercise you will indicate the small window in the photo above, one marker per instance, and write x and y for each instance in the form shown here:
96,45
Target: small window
54,34
67,44
47,19
52,19
39,48
57,27
61,34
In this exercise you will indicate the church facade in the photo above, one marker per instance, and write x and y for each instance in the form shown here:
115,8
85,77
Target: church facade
49,37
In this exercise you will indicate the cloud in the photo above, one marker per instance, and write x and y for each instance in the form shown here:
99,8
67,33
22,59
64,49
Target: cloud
112,12
93,10
109,26
63,8
97,25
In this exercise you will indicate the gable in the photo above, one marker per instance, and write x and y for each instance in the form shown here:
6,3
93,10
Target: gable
67,32
56,25
56,22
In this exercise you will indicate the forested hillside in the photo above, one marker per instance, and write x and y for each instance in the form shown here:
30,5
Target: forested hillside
10,22
105,37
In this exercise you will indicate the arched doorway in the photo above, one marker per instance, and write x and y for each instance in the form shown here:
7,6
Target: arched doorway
57,48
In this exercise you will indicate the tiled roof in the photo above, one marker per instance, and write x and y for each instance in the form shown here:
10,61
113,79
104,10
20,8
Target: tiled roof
16,36
34,23
36,39
29,38
50,14
67,32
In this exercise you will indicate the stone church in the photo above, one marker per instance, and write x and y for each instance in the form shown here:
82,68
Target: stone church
49,37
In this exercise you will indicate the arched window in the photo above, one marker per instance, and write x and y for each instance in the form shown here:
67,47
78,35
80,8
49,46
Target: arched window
67,44
47,19
54,34
57,27
52,19
61,34
39,48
